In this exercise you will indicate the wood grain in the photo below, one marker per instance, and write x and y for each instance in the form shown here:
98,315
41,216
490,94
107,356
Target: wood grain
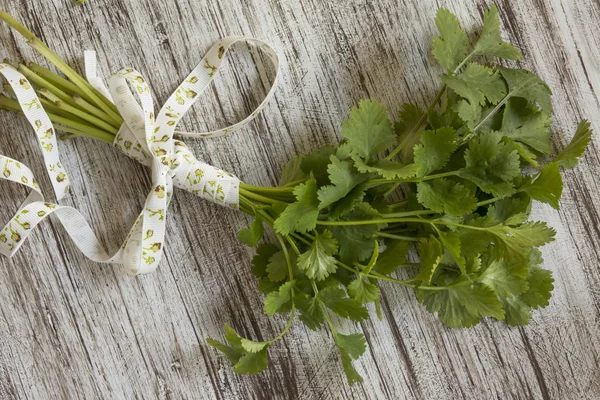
73,329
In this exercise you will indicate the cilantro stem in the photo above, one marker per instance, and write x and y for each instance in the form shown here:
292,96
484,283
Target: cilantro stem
287,326
257,197
409,214
294,183
397,237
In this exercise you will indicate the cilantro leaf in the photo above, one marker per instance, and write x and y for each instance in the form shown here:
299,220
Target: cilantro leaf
356,241
250,237
408,130
491,164
300,216
232,353
363,291
310,312
529,86
450,48
343,178
335,299
318,261
252,363
277,268
430,252
462,305
510,208
569,157
540,284
368,130
490,42
505,277
525,123
477,83
253,347
387,169
275,301
451,242
435,149
261,259
392,257
350,347
316,163
292,171
447,196
547,186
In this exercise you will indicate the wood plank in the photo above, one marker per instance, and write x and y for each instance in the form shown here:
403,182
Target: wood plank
70,328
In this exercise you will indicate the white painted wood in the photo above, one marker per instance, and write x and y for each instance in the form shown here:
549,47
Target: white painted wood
73,329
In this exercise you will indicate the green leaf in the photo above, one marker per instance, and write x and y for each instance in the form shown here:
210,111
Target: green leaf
450,48
277,268
525,123
451,242
463,305
505,277
408,130
343,178
368,130
350,347
318,261
363,291
490,42
276,300
540,284
231,353
310,312
392,257
252,363
477,83
250,237
547,186
335,299
387,169
529,86
254,347
435,149
260,261
356,241
491,164
354,344
446,196
316,163
300,216
292,171
510,208
569,157
430,253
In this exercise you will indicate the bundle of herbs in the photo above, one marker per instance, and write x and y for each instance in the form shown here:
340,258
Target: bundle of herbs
459,167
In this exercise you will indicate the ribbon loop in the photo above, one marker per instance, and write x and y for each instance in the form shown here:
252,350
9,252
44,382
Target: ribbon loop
142,137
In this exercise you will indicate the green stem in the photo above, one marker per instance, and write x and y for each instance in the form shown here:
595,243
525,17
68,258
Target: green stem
256,197
397,237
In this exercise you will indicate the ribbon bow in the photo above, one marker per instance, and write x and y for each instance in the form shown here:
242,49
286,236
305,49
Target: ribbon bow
145,137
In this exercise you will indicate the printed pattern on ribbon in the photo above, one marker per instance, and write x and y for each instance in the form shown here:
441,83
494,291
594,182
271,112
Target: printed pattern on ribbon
37,117
143,137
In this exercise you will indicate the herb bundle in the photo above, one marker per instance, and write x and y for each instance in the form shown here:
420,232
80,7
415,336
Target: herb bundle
458,167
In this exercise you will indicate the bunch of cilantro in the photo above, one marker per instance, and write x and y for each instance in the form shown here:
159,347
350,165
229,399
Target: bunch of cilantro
448,182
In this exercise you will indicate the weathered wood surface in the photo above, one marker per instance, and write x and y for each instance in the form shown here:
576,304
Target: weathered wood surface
73,329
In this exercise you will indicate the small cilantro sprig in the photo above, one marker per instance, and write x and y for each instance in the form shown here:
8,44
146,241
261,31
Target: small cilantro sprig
452,183
457,167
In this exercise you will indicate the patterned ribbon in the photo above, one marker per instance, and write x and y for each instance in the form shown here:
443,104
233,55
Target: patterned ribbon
144,137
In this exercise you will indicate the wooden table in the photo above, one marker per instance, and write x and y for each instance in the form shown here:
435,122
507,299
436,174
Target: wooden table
73,329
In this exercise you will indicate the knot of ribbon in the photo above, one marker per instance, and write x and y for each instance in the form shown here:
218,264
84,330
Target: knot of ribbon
144,136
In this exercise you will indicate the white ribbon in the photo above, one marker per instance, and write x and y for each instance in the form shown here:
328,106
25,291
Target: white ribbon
143,137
